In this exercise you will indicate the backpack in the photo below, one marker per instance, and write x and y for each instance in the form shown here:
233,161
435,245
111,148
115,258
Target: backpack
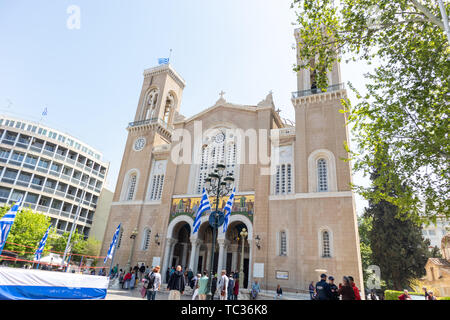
150,281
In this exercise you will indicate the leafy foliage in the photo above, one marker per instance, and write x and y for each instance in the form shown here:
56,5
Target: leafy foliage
406,104
28,229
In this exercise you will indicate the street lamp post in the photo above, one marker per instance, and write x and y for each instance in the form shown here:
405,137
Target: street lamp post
133,237
243,234
217,184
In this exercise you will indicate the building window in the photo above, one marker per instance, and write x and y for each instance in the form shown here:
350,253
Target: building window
220,149
326,252
156,180
322,178
156,187
283,243
150,105
146,239
131,186
283,179
120,238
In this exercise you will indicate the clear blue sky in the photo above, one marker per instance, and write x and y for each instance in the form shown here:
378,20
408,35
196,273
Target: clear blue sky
90,79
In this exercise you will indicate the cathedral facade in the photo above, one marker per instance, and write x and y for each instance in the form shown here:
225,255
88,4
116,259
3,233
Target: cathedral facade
293,192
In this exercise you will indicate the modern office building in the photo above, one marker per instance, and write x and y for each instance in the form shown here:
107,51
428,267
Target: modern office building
52,171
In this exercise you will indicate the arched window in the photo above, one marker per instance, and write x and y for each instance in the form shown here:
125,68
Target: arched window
322,175
150,104
217,149
283,243
156,181
120,238
170,102
146,239
326,251
131,186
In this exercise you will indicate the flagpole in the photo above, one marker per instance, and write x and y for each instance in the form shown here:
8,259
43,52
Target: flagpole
73,225
114,252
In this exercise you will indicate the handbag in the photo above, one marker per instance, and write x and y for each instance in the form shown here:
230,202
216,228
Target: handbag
143,292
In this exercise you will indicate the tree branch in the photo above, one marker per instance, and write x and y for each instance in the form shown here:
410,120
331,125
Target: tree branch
428,14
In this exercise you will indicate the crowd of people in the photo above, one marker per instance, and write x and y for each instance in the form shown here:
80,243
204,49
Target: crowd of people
324,290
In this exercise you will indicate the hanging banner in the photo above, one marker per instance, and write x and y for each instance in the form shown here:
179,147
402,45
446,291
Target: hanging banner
31,284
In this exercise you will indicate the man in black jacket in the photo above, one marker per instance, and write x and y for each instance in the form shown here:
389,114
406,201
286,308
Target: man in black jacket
176,284
334,289
323,288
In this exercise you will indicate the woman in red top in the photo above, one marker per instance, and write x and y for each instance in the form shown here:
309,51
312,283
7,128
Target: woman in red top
236,289
404,296
127,279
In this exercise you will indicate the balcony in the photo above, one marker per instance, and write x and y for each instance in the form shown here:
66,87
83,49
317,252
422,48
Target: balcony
9,141
309,92
158,124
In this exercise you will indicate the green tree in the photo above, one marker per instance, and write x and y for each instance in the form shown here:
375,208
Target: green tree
406,104
397,245
59,242
28,229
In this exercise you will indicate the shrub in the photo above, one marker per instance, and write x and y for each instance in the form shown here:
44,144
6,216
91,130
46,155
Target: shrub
443,298
393,295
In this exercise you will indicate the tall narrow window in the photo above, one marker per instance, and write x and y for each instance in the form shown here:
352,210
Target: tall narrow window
283,179
156,181
170,102
326,245
131,186
120,238
322,176
150,104
146,240
283,243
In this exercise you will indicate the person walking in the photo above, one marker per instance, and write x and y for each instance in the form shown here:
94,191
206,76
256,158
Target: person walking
203,286
333,288
236,288
121,275
255,290
133,279
346,291
141,271
279,293
195,280
323,289
223,285
176,284
425,292
213,286
312,290
230,287
153,283
355,288
190,275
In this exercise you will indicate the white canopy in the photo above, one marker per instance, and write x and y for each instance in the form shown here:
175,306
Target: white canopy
52,258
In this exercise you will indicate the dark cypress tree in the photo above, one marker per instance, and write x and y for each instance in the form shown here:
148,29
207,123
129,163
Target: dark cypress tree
398,247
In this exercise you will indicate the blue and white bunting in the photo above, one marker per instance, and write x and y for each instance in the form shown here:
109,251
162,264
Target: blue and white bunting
112,246
204,206
227,210
7,221
40,249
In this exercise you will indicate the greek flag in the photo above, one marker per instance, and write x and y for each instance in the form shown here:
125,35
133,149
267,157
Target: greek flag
163,60
44,113
227,210
37,254
7,221
112,246
204,206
